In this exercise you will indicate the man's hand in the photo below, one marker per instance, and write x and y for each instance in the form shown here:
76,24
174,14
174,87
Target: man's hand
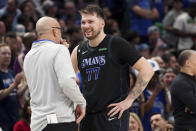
64,42
119,108
80,113
18,78
158,88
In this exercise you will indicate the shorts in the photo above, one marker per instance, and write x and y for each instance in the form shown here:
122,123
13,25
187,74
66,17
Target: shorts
72,126
101,122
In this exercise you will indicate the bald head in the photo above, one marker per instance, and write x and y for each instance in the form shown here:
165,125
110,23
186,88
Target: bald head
48,28
44,24
184,56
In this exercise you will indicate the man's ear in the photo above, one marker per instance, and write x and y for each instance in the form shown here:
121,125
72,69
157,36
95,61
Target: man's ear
54,32
187,62
103,23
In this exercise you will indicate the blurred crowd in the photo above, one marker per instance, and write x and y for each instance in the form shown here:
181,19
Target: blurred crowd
159,29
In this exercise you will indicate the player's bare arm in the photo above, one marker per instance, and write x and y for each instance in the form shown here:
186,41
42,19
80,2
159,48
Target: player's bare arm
74,60
145,74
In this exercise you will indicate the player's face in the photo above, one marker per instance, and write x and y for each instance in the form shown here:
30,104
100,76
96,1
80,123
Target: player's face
91,25
5,55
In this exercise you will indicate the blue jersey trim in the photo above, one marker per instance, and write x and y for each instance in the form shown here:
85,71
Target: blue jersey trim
127,85
43,40
120,90
128,120
120,124
110,52
120,82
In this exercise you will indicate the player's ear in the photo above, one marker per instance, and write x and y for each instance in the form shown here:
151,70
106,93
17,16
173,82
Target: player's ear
102,23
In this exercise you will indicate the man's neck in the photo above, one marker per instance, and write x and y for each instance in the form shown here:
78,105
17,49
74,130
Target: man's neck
47,37
3,68
187,71
96,41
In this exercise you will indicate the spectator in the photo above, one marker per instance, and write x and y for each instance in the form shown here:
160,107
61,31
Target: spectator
50,8
167,78
135,123
156,99
185,28
70,14
158,123
160,6
112,27
3,3
29,15
183,92
63,24
144,49
18,66
28,7
70,9
11,40
107,12
133,37
119,12
19,44
170,61
160,61
28,39
75,37
24,123
142,12
155,41
12,12
8,91
7,19
71,21
169,37
20,30
2,31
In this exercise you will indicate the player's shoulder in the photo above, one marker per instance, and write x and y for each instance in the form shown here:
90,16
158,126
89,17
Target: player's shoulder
118,41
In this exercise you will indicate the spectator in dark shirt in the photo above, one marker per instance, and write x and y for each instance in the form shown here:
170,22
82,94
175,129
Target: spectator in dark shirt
183,93
8,91
158,123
